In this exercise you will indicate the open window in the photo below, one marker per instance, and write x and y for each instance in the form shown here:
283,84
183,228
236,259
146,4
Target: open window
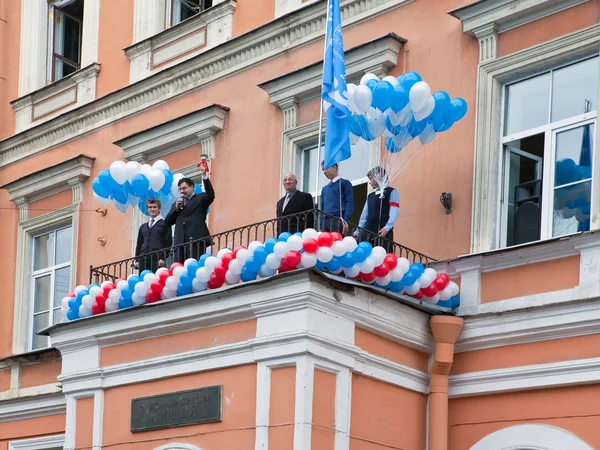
548,147
180,10
66,30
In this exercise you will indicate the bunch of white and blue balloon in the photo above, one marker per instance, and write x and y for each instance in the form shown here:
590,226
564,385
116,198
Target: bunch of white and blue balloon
132,184
399,109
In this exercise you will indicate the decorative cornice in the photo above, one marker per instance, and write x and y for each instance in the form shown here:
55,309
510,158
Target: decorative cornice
175,134
39,443
270,40
43,183
32,407
376,56
487,35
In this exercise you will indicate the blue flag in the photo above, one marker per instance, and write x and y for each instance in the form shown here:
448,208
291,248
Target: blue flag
334,91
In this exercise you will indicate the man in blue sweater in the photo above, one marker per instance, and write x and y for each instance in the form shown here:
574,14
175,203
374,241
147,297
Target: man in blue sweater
337,199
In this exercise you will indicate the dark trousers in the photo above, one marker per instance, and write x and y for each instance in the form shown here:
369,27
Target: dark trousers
191,250
330,224
385,242
150,261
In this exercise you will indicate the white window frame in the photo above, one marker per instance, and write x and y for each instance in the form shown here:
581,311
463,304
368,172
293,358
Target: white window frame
549,161
40,273
42,443
531,436
169,12
50,75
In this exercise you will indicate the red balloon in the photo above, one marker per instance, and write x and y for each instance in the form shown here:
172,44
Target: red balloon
226,259
391,261
382,270
151,296
367,277
237,249
101,301
284,267
440,283
214,282
336,236
156,287
219,271
107,288
97,309
175,264
418,296
71,294
293,258
162,277
119,279
430,290
310,245
100,298
325,239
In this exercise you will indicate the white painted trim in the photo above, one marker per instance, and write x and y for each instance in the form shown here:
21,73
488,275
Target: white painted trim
264,43
40,443
34,33
98,419
22,393
305,377
531,437
70,422
32,407
91,33
148,19
177,446
263,396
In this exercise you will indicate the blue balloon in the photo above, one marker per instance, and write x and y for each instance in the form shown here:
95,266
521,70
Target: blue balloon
139,185
126,293
260,255
81,294
359,254
74,303
417,268
197,189
566,172
93,284
415,128
168,181
133,280
366,246
72,315
382,95
184,289
372,84
202,260
142,206
391,146
408,80
185,279
334,264
442,106
283,237
107,181
445,303
320,265
458,107
252,265
247,274
151,194
455,301
396,286
399,98
347,260
270,245
119,195
396,130
125,303
409,278
192,268
297,233
99,189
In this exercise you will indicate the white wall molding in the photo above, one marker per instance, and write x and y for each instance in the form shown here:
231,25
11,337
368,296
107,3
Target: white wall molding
271,40
292,140
198,127
177,446
148,19
200,33
91,34
487,35
531,436
32,407
21,393
283,7
40,443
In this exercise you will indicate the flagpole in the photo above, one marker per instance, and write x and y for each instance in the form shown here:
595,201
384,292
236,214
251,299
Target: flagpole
320,139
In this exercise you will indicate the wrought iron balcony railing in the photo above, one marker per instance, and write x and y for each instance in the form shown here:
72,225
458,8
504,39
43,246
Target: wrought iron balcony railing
260,231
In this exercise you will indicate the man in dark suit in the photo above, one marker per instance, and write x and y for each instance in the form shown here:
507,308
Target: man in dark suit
294,202
188,214
153,235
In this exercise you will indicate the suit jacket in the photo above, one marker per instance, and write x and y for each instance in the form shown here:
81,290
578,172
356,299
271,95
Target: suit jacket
298,203
190,222
155,238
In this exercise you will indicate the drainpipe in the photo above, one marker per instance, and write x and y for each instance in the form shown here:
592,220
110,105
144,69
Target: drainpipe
445,331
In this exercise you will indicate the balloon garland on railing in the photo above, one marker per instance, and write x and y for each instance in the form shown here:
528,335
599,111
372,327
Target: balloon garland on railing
324,250
132,184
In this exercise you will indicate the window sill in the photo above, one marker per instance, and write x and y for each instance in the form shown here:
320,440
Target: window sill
61,96
181,42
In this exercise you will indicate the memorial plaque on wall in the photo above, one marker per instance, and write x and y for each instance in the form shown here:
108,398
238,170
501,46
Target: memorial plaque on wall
176,409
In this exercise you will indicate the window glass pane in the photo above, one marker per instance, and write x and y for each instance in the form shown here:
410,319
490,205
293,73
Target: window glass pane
63,245
68,37
310,169
62,69
43,247
573,154
41,293
575,89
56,316
527,104
61,284
184,9
571,209
354,168
40,322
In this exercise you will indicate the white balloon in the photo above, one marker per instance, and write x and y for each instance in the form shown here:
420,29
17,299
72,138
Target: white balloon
149,278
432,273
412,289
169,293
223,252
114,295
392,80
294,242
352,272
231,278
161,269
197,285
351,89
85,311
105,283
187,261
177,177
132,168
377,255
140,288
95,290
280,249
272,261
160,165
455,288
383,281
266,271
337,271
404,264
308,259
171,283
210,263
242,255
324,254
253,246
431,300
396,274
339,248
138,299
87,301
177,271
424,280
446,293
65,302
202,274
405,115
146,169
368,77
419,95
310,233
376,122
235,266
362,99
101,200
120,286
367,265
79,288
156,179
111,305
118,172
349,243
426,110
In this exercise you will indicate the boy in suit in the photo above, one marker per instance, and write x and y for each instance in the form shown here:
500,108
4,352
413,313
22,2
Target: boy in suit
337,199
294,202
188,214
153,235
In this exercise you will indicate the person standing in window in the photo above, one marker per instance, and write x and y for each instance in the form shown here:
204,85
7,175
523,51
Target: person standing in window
337,199
188,214
294,202
380,211
153,235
